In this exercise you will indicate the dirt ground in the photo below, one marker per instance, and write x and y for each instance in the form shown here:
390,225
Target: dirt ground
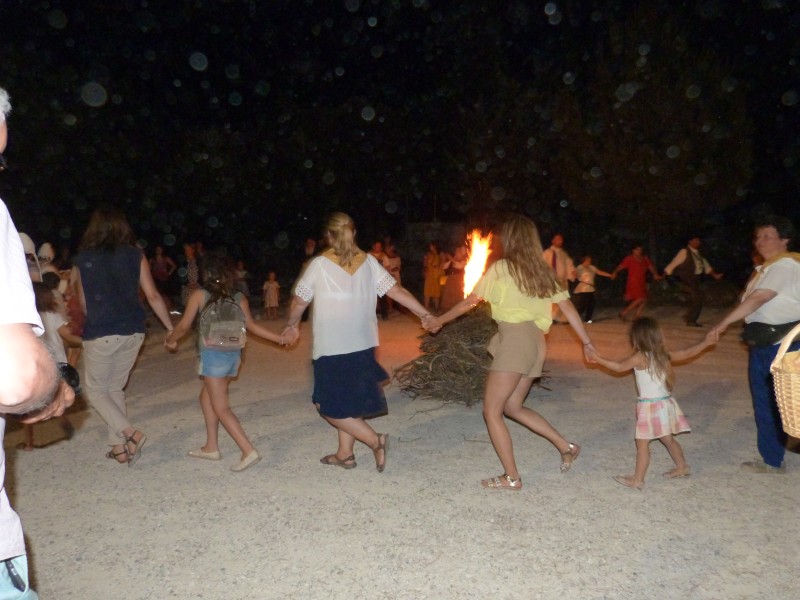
174,527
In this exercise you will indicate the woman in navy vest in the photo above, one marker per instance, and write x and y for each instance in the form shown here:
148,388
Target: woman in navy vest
108,273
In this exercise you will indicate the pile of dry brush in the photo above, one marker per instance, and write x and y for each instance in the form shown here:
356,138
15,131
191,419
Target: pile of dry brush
454,362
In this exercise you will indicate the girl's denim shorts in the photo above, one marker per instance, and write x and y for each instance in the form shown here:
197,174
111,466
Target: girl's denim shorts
214,363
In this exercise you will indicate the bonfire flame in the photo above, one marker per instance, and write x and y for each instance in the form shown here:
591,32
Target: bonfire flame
478,253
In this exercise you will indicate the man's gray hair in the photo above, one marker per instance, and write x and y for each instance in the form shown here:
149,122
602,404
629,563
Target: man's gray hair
5,104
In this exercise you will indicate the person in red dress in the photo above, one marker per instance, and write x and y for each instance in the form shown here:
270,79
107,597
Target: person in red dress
637,265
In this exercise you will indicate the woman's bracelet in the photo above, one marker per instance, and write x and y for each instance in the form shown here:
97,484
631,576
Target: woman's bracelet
588,344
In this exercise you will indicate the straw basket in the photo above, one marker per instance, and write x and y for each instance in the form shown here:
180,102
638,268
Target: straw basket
786,375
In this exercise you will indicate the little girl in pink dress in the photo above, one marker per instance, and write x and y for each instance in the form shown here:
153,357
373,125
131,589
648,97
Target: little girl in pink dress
658,416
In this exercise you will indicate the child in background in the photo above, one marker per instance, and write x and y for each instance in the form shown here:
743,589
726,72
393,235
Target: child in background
658,415
271,290
56,334
218,367
69,308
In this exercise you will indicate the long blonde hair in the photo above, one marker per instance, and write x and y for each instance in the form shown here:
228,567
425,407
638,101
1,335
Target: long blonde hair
522,250
646,337
340,231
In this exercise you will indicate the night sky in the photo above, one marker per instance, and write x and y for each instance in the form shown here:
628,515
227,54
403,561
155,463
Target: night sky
243,123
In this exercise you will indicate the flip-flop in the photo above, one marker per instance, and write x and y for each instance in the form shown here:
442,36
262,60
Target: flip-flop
677,473
628,481
335,461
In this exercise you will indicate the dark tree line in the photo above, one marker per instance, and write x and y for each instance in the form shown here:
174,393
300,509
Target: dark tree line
593,115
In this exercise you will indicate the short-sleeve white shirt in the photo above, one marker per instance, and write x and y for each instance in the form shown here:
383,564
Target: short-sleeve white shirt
783,278
343,315
17,305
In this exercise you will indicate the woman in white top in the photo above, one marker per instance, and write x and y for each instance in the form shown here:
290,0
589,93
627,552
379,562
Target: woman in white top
343,282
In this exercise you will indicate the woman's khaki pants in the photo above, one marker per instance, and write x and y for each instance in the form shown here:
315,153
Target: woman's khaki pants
108,362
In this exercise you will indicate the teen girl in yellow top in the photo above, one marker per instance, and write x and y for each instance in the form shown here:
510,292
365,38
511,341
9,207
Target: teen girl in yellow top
521,289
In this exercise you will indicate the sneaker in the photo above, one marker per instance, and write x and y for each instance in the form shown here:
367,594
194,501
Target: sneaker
759,466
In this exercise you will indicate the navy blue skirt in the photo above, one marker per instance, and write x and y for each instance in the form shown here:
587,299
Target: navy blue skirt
349,385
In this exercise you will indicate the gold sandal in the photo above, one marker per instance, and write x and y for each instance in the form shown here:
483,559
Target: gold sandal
573,450
502,482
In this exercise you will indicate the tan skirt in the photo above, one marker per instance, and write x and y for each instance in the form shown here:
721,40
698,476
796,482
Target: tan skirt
518,348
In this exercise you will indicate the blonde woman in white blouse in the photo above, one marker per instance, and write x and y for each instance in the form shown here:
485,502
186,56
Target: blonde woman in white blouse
343,282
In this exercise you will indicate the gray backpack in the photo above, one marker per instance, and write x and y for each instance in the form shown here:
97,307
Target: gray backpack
222,325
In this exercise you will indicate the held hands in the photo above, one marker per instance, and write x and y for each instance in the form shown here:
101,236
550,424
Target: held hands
431,323
712,337
290,335
590,353
170,345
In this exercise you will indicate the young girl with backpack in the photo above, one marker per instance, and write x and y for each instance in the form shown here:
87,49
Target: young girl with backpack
223,316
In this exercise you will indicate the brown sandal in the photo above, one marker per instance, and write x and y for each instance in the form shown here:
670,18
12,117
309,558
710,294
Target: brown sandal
136,453
383,444
112,455
333,460
502,482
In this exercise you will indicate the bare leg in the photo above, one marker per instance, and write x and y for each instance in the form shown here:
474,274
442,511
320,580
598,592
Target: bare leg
676,452
500,387
634,307
211,420
347,442
217,388
642,460
640,308
515,410
350,430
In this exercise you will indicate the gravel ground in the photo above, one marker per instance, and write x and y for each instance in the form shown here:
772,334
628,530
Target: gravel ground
172,527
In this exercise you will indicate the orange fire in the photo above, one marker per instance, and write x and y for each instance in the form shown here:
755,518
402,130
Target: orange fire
478,253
